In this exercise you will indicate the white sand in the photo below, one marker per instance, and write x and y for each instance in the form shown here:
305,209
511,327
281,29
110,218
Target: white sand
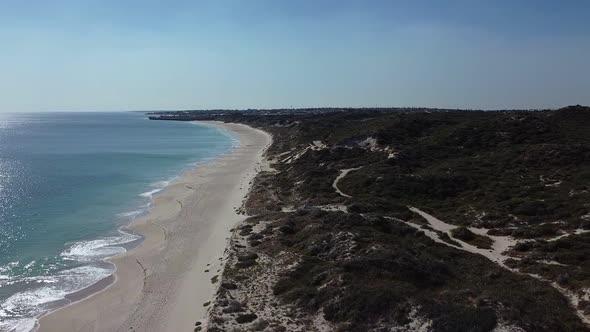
343,173
499,246
161,285
496,254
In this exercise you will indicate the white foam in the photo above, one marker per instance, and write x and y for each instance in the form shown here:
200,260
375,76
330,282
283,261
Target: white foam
18,309
88,251
161,184
6,271
29,265
18,325
130,214
149,194
158,186
13,264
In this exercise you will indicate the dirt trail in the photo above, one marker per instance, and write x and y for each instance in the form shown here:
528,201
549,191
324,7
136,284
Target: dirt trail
496,254
342,174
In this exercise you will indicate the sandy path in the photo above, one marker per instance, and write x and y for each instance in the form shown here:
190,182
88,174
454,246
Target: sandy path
496,254
162,284
340,176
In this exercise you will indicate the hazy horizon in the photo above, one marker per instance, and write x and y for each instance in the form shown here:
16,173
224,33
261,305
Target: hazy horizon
148,55
277,108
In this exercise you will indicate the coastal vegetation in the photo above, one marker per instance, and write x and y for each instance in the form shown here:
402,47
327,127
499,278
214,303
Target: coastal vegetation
509,248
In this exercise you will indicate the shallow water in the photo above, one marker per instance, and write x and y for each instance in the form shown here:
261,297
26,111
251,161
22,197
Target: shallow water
68,182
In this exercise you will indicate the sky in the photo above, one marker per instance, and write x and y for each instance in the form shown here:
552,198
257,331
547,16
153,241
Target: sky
82,55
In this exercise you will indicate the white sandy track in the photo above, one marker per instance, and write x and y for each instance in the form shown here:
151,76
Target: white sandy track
162,284
496,254
342,174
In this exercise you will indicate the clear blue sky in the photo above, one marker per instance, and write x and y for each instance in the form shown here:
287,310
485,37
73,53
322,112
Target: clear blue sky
140,55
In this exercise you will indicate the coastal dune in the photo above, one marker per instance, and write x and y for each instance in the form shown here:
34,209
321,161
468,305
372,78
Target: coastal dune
165,283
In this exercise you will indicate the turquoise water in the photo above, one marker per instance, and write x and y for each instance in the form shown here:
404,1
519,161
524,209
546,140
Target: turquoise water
68,183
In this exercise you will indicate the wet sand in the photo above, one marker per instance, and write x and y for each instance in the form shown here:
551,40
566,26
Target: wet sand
162,285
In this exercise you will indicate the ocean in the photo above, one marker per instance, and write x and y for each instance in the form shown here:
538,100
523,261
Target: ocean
69,183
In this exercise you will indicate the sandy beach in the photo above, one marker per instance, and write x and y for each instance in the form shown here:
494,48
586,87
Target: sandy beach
162,284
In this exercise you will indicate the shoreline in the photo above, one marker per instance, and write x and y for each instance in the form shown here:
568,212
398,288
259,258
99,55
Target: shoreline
162,283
